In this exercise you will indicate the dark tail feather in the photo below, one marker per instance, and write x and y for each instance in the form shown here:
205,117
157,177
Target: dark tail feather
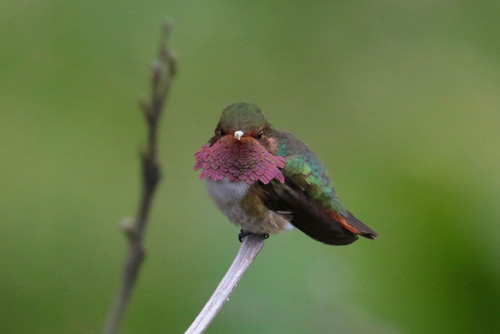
321,226
354,225
308,216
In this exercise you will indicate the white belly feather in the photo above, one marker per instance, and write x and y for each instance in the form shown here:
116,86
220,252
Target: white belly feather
227,196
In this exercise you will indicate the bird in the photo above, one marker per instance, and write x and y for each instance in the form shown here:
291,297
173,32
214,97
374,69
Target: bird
268,181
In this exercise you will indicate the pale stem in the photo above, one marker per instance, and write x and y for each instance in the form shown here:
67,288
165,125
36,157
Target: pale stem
250,248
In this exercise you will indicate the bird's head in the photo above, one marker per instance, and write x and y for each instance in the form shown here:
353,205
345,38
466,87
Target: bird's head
241,120
240,149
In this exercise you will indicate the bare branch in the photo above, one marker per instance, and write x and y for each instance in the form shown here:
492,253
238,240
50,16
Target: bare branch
250,248
164,70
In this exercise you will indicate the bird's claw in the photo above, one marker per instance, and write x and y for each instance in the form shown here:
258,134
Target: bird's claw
245,233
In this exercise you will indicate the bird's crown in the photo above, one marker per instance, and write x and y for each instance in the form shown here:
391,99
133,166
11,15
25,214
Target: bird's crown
242,116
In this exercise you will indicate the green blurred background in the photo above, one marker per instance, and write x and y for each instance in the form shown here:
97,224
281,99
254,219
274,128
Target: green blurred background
400,99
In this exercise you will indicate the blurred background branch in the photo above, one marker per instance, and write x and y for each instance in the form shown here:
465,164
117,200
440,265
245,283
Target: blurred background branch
164,70
250,248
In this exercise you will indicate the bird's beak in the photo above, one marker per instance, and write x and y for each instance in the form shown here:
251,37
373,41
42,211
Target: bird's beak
238,134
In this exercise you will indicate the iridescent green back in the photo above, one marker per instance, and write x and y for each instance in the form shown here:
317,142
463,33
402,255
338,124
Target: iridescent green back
305,170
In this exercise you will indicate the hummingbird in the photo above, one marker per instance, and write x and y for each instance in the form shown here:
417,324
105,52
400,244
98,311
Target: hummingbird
268,181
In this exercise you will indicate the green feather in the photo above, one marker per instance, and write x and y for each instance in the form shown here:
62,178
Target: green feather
305,170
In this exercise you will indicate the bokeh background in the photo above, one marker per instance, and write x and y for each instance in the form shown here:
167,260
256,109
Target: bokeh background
400,99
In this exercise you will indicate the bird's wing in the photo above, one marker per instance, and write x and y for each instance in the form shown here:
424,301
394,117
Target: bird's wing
314,206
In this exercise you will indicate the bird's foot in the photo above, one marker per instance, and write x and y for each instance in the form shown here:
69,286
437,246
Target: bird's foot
245,233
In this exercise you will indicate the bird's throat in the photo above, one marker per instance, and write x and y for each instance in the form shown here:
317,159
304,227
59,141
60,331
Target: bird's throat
246,161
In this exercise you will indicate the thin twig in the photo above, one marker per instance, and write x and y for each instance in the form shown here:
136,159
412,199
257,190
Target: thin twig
250,248
164,70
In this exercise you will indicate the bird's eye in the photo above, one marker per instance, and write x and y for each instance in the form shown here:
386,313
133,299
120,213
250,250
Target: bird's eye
222,133
259,135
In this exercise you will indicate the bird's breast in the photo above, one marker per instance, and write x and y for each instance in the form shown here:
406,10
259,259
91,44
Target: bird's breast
225,192
237,201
